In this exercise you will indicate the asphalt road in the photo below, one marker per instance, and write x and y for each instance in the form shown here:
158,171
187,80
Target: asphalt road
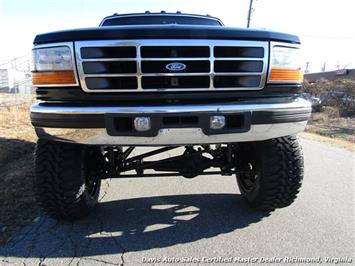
202,219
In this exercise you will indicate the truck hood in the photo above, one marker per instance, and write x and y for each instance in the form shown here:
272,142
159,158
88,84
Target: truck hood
164,32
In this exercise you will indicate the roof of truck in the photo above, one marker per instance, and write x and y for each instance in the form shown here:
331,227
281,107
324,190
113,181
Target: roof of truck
164,31
161,13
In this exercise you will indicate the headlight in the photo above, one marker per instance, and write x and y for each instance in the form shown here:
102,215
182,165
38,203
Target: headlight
53,66
285,64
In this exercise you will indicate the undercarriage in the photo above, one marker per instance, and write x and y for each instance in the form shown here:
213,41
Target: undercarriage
118,162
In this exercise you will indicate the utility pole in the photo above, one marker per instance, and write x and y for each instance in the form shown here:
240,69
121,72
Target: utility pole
307,67
323,67
249,13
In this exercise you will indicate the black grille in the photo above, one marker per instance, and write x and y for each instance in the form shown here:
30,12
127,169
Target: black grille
161,66
238,66
112,83
136,66
236,81
180,120
185,82
108,52
118,67
253,52
175,51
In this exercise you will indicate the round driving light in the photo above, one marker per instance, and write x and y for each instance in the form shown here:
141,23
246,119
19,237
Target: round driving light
142,123
217,121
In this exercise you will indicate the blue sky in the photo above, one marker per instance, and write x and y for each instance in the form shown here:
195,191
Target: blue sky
326,27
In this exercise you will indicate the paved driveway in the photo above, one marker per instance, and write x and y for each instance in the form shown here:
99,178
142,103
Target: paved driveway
202,220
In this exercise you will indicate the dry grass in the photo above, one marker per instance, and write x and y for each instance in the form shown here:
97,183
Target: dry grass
17,141
335,141
11,99
328,124
15,122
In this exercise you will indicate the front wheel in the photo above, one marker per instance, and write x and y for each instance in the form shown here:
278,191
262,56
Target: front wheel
65,187
271,172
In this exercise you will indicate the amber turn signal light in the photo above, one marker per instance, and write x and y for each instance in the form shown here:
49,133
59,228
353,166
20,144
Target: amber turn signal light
53,78
286,74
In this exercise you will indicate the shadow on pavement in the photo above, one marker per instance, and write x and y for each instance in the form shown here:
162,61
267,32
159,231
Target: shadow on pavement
135,225
17,202
14,149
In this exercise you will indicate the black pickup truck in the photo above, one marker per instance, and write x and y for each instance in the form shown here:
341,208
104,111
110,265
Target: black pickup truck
227,98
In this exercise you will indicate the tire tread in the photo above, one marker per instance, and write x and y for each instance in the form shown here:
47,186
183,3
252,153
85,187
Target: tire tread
58,179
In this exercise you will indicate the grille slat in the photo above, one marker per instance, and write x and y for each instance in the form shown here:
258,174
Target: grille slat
235,51
176,59
107,59
236,81
238,66
190,74
142,65
112,83
108,52
175,51
120,67
181,82
110,75
160,66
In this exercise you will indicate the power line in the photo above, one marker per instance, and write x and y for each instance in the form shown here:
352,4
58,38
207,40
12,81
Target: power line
14,59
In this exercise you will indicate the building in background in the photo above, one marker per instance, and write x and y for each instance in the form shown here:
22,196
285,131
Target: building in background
15,81
331,75
4,80
15,76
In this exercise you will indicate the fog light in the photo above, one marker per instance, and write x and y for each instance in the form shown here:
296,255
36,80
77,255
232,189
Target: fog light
217,121
142,123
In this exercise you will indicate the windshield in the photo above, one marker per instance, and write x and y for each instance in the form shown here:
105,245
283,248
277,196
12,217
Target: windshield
159,19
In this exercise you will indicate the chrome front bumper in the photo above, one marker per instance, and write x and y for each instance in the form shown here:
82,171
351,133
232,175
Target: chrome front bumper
269,120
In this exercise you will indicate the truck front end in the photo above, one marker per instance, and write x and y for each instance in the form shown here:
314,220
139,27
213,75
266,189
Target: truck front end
185,81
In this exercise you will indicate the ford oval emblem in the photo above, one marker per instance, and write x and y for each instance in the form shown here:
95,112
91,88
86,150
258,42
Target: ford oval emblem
175,66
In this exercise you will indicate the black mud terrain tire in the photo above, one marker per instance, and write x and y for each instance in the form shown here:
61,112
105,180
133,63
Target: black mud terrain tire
62,185
273,172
